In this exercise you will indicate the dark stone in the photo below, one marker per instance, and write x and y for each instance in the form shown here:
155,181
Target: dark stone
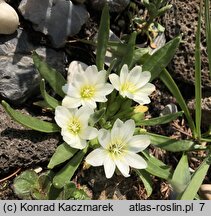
182,19
56,18
19,80
21,147
114,5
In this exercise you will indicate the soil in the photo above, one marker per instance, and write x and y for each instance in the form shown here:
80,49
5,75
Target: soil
23,149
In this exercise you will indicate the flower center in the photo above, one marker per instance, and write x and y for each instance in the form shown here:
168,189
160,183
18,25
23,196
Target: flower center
128,86
74,126
116,147
87,92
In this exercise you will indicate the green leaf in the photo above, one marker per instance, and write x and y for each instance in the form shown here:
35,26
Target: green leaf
181,176
140,56
173,88
54,78
44,184
198,91
208,31
117,48
65,174
63,153
161,58
147,181
29,121
102,39
25,183
68,192
42,104
159,120
52,102
169,144
157,167
96,116
196,181
152,10
163,10
79,194
128,57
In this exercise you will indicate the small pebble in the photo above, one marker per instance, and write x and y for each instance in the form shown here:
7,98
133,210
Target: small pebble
205,191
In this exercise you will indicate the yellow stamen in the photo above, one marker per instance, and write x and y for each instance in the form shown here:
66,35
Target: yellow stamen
116,147
87,92
74,126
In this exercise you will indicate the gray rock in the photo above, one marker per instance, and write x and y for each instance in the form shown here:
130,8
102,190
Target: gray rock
19,79
205,107
114,5
56,18
78,1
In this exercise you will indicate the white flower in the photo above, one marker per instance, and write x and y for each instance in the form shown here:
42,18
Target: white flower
87,88
74,125
119,148
133,84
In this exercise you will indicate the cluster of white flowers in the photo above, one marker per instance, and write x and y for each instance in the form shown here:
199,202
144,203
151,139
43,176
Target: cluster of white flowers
118,146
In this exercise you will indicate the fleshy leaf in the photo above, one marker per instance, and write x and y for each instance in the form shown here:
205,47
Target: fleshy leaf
29,121
65,174
157,167
63,153
196,181
173,88
161,58
54,78
52,102
147,181
103,36
181,176
24,183
159,120
169,144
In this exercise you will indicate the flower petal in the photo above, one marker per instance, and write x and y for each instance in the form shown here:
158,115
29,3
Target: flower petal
144,79
109,167
148,88
71,102
101,76
89,103
124,74
104,89
134,75
71,91
138,143
62,116
141,98
115,131
123,167
89,133
83,114
100,98
96,157
91,74
104,137
135,161
127,130
73,141
115,81
65,88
